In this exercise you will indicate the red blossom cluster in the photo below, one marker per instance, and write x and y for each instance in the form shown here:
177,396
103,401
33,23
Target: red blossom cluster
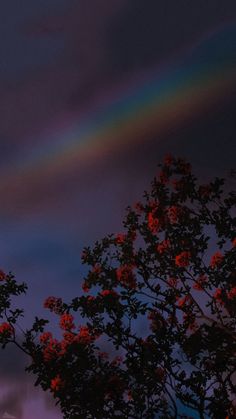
216,260
54,304
67,322
120,238
126,276
200,282
174,213
112,293
6,330
56,384
163,246
232,293
2,275
153,222
183,259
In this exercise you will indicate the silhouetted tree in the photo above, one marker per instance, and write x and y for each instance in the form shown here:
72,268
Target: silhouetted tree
161,296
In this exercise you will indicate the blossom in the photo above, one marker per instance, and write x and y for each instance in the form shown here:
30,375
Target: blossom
51,350
234,242
172,282
174,213
153,223
120,238
85,287
90,298
163,246
2,275
218,295
232,293
182,260
216,260
96,269
66,322
54,304
111,293
45,337
199,284
6,330
69,338
126,276
56,383
84,336
183,301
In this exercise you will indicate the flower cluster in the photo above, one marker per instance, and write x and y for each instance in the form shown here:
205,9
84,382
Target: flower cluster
54,304
183,259
126,276
6,330
216,260
67,322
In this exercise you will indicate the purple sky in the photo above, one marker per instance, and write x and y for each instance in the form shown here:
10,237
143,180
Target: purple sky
66,68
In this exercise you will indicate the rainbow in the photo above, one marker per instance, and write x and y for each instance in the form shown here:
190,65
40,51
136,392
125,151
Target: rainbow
146,106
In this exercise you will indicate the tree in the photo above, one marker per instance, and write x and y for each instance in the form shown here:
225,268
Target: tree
160,296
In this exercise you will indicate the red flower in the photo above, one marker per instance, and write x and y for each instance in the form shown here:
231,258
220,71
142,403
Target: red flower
85,287
2,275
56,384
112,293
172,282
163,246
53,304
97,269
84,336
126,276
182,301
218,296
174,213
120,238
216,260
52,350
199,285
66,322
6,330
153,223
69,338
234,242
183,259
232,293
90,298
45,337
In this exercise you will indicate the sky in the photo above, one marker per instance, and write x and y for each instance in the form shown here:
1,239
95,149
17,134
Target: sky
93,94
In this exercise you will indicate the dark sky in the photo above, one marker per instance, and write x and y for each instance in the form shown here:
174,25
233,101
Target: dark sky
93,95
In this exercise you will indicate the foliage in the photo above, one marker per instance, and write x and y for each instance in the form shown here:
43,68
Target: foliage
161,297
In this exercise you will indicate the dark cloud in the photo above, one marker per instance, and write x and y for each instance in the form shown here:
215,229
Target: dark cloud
149,32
